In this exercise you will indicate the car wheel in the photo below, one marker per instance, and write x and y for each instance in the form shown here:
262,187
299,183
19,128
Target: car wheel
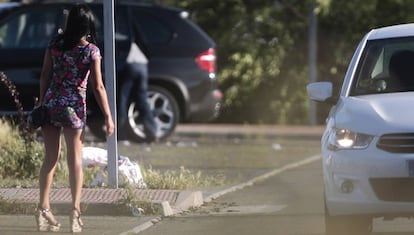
165,111
347,224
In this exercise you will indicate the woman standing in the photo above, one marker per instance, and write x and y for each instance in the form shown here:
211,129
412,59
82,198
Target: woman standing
69,61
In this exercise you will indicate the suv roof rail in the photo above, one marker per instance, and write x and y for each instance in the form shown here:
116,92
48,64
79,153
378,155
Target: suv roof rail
85,1
147,2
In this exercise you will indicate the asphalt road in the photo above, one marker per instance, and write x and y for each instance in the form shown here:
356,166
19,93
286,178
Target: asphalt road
286,203
94,225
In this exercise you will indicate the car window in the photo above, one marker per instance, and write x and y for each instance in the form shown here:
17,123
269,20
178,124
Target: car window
152,29
386,66
30,29
121,24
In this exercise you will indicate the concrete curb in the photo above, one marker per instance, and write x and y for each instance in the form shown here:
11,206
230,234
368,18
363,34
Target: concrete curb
184,201
188,199
95,201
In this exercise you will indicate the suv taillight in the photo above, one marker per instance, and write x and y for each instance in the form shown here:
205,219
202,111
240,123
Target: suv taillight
207,60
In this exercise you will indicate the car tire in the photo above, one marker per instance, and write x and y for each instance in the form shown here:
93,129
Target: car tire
347,224
166,114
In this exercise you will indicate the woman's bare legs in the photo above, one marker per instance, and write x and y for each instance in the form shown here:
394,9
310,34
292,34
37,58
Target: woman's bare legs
74,144
44,218
51,137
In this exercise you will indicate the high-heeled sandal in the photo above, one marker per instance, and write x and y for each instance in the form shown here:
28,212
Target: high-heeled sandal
46,221
75,220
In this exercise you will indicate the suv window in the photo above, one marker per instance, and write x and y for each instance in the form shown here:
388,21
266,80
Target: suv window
121,25
30,29
152,29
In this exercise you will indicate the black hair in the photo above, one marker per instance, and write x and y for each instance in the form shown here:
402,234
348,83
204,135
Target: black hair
80,22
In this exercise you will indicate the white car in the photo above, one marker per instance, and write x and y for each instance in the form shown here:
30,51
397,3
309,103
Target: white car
368,144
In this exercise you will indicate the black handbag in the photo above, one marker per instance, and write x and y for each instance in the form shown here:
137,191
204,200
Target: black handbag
38,117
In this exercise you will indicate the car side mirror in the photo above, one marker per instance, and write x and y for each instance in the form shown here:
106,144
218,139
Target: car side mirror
321,92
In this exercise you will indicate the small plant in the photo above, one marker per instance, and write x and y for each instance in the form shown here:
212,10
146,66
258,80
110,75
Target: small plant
131,203
181,179
19,159
14,93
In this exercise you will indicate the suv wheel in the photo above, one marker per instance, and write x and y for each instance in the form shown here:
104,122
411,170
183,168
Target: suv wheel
347,224
165,110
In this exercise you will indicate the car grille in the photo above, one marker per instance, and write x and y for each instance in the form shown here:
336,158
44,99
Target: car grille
397,143
393,189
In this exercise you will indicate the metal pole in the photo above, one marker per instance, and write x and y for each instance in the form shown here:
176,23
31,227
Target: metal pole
312,58
109,63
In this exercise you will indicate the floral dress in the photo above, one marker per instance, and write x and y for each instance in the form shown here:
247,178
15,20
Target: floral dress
66,96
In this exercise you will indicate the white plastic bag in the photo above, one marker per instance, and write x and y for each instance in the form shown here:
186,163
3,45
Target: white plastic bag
98,157
94,157
131,171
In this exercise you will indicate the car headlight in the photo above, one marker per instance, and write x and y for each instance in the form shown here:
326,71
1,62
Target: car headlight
345,139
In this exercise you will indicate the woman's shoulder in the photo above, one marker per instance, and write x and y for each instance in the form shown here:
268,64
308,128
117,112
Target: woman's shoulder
94,50
92,46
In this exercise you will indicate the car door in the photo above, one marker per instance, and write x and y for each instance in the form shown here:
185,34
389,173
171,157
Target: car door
24,36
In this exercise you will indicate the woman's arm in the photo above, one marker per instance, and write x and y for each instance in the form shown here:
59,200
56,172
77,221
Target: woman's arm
99,91
44,76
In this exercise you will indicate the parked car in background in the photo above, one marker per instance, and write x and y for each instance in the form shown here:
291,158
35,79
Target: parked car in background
182,69
6,5
368,144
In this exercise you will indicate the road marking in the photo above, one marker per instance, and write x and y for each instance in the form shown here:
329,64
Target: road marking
264,176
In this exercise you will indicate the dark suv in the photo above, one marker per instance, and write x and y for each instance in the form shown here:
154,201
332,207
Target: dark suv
182,79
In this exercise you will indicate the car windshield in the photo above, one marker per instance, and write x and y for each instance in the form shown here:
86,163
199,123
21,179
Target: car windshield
387,65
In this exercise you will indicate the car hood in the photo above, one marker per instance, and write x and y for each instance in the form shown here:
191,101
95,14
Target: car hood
377,114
